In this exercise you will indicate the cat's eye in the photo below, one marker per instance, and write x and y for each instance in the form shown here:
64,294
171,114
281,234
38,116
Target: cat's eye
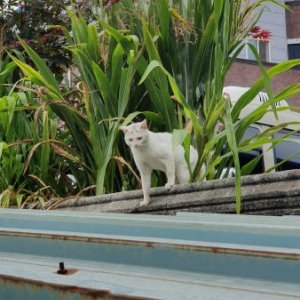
139,138
130,140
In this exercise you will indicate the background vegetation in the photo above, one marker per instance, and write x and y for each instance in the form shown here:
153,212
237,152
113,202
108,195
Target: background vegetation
165,61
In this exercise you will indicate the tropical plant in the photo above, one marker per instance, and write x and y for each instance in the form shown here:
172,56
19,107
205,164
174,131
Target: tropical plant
168,61
189,45
30,169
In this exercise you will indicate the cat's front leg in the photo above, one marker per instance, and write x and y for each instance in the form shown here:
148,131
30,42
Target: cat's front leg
146,183
170,172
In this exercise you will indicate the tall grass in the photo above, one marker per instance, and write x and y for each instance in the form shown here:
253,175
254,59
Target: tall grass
166,61
26,129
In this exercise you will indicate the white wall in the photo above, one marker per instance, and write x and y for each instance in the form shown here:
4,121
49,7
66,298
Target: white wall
273,19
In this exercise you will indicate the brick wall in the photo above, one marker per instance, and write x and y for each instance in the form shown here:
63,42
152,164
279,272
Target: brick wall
293,20
244,73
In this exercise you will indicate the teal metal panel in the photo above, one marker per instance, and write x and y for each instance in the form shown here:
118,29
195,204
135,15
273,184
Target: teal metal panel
189,256
213,258
248,230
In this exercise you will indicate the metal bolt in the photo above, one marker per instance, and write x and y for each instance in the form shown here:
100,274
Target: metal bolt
62,269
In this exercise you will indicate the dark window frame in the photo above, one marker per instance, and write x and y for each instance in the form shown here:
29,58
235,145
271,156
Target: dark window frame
294,51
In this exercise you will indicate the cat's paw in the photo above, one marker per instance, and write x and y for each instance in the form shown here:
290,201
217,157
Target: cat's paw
144,203
168,185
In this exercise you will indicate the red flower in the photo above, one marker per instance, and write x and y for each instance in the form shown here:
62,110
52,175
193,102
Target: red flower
260,34
255,29
265,35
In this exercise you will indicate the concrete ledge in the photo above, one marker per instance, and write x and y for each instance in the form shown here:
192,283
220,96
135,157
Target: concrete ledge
271,194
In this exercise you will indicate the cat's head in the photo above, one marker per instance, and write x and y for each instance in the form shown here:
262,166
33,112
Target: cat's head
136,134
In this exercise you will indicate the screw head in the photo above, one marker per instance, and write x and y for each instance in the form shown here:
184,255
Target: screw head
62,269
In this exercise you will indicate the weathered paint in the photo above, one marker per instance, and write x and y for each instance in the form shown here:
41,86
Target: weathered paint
211,257
251,230
16,288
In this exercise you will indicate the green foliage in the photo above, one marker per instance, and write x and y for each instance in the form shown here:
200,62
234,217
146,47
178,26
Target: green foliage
33,20
33,151
166,61
7,68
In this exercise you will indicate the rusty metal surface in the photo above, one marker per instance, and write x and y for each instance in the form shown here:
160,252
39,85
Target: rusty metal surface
137,282
35,289
120,241
141,257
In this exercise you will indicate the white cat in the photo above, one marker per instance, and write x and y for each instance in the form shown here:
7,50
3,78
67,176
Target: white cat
153,151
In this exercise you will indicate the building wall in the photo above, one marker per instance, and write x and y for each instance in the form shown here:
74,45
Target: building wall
293,29
273,19
293,20
245,73
285,28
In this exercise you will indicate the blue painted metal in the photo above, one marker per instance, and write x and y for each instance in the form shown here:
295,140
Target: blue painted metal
189,256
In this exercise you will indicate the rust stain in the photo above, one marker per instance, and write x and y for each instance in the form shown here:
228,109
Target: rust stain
153,244
68,272
214,249
149,245
64,290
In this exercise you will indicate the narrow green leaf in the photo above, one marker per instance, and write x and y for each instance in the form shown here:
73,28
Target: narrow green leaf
43,68
246,98
107,155
93,43
125,85
45,147
230,133
105,88
178,136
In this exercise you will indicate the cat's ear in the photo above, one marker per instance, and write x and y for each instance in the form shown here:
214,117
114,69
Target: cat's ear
124,129
143,125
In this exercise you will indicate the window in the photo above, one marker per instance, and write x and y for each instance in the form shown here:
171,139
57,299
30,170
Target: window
285,149
246,157
249,53
263,49
294,51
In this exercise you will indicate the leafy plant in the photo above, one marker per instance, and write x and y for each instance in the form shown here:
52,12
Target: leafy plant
30,169
166,61
191,48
